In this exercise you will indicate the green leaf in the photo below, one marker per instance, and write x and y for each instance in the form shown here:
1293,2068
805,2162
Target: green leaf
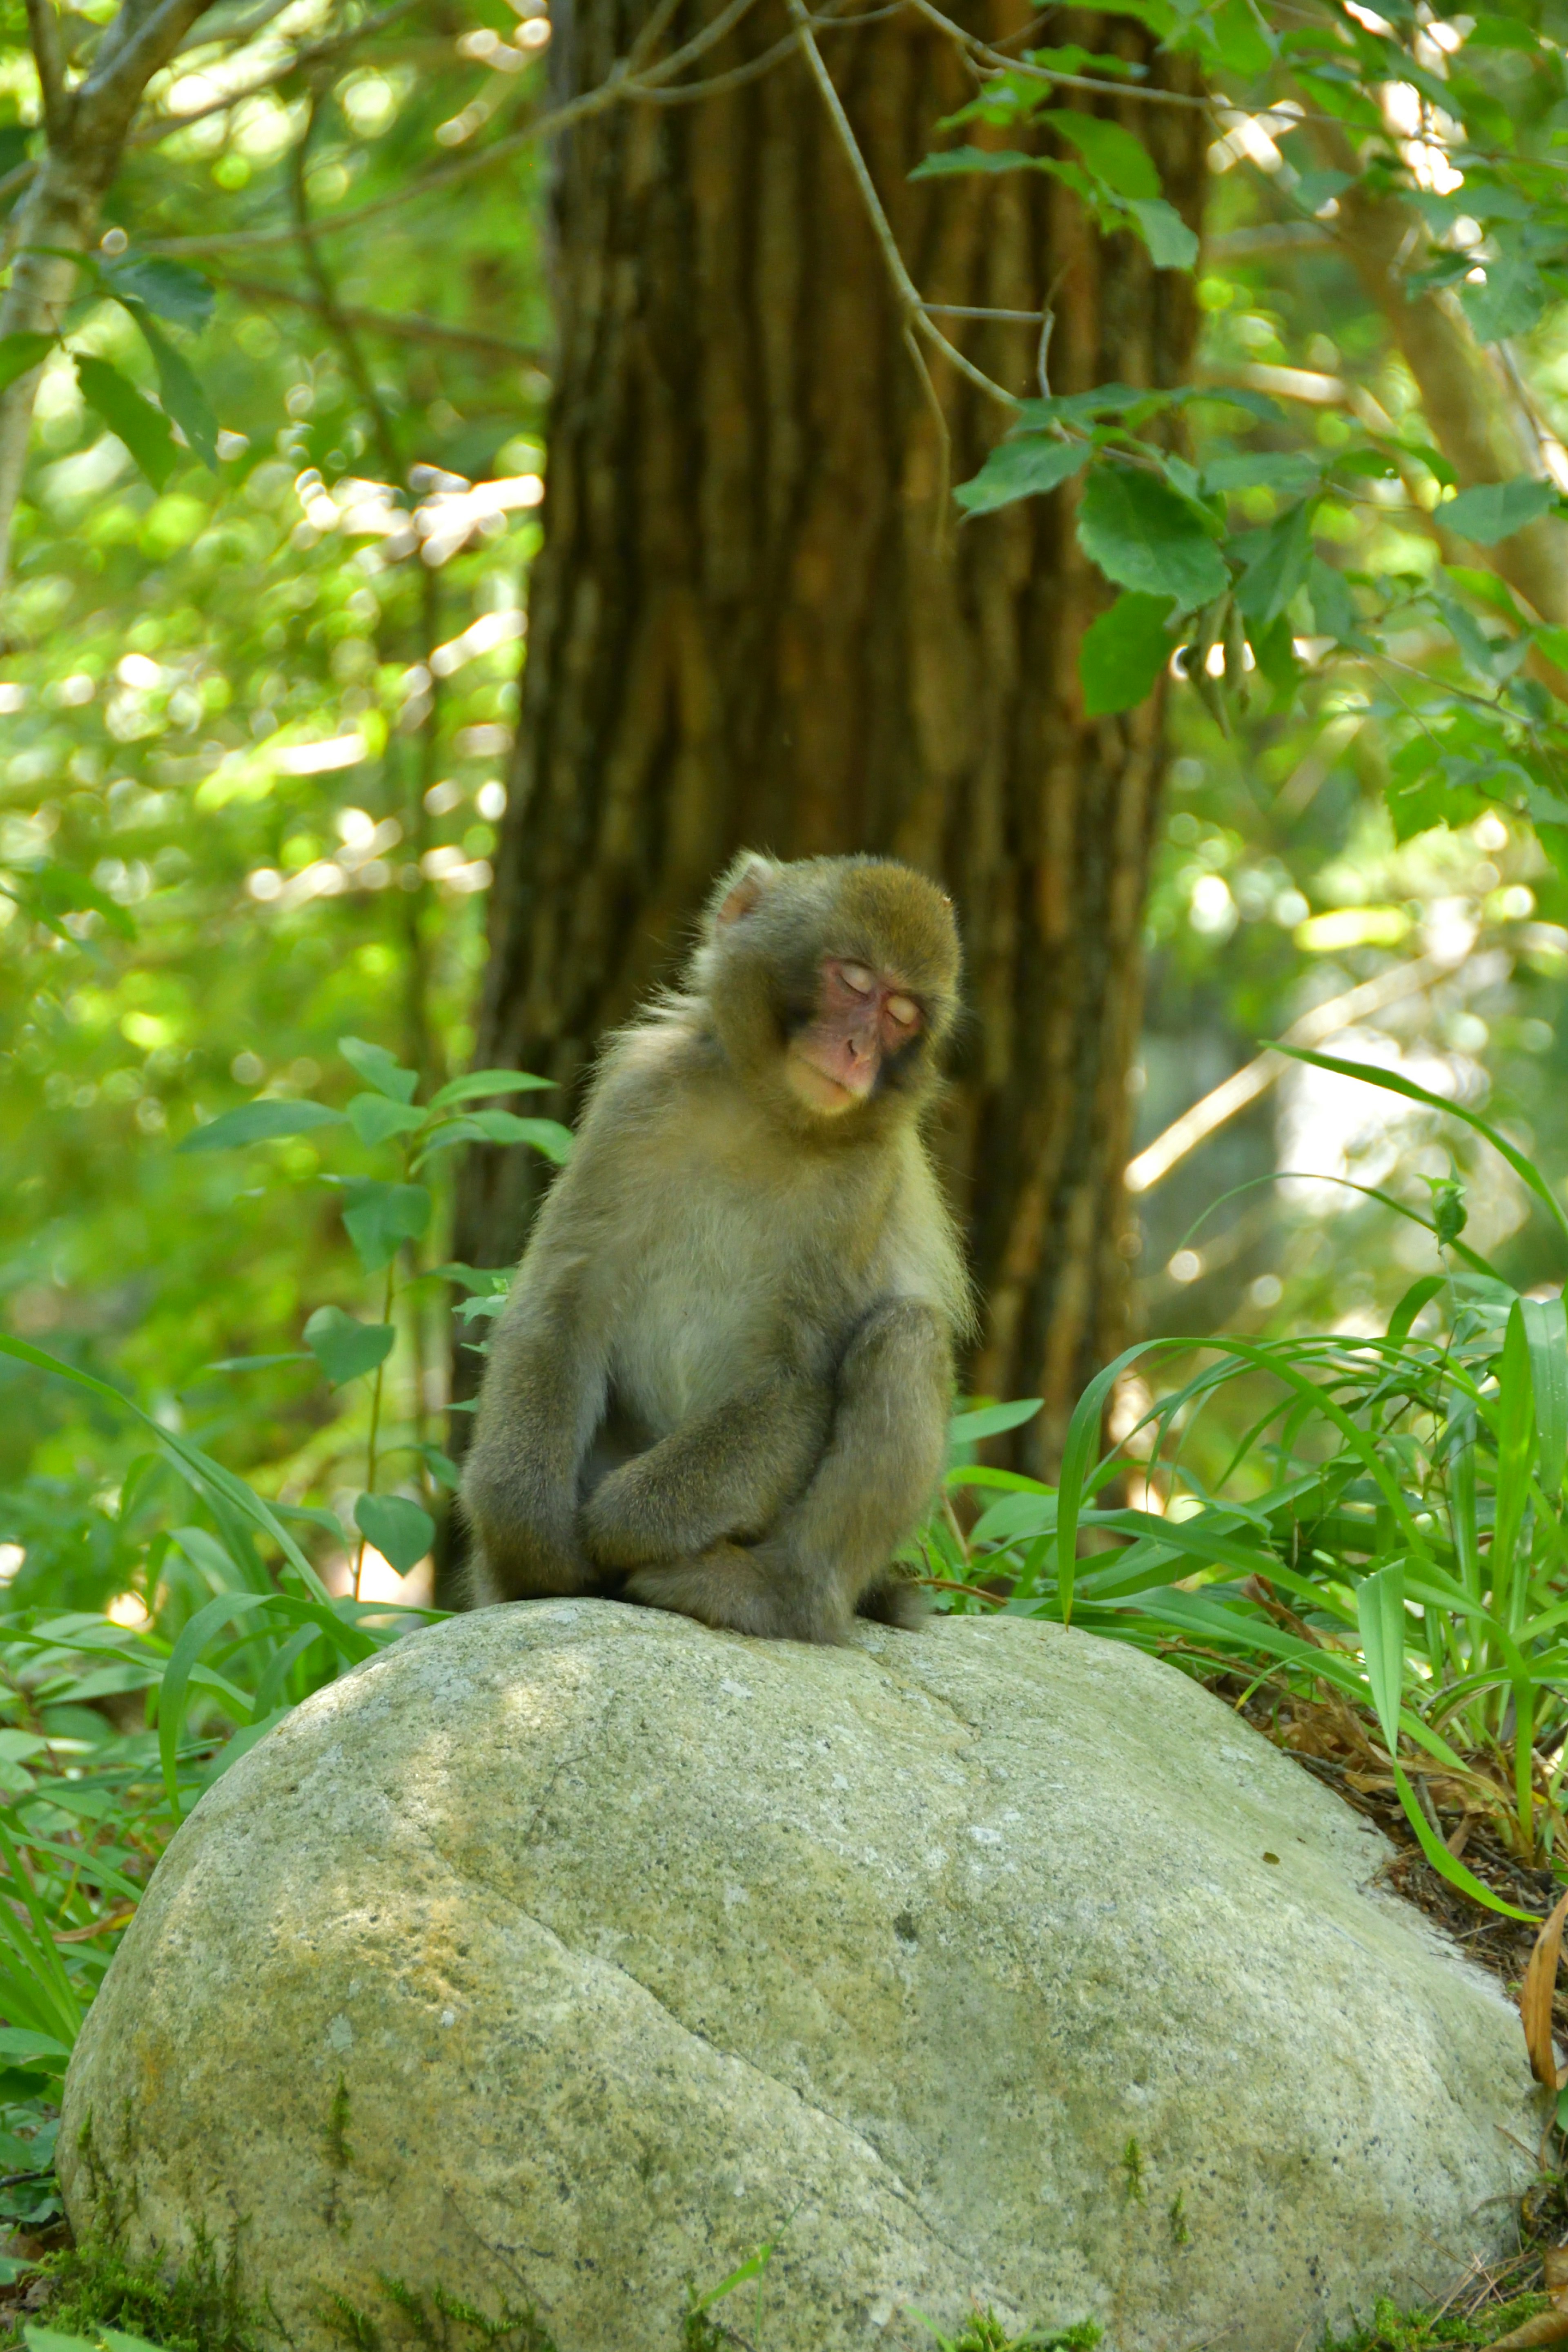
1022,467
1123,652
1333,608
344,1349
546,1135
1112,153
181,395
51,892
19,2042
1511,301
143,428
52,2339
991,1420
400,1531
1546,1334
1380,1612
379,1070
373,1117
380,1217
170,289
1276,561
21,353
1495,510
1143,536
955,160
1172,244
259,1122
488,1081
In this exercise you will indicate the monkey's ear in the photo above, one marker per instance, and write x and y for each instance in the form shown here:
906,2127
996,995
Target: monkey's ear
741,889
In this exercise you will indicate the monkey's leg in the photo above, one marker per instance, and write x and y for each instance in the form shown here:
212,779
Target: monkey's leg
728,1473
543,1399
835,1546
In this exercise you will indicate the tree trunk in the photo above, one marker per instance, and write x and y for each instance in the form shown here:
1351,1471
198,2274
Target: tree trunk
743,629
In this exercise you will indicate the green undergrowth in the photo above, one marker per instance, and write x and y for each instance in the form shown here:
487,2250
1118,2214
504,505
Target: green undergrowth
1392,2330
96,2292
437,2319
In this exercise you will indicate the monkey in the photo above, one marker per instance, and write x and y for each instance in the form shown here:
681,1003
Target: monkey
721,1382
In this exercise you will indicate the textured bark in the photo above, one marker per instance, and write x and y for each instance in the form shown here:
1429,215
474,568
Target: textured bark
743,632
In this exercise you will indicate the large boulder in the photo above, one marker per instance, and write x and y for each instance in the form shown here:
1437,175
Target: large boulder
567,1952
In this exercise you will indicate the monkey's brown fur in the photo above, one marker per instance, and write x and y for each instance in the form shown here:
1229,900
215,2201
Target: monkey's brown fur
722,1381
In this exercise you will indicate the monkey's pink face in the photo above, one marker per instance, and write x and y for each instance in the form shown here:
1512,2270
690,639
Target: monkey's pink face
862,1017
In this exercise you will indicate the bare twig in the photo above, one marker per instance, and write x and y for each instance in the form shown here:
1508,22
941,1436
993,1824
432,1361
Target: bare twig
401,327
341,326
48,55
913,309
1221,1104
616,87
313,53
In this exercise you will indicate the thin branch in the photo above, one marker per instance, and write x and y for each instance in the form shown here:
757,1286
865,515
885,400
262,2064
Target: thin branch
48,55
617,85
239,28
341,326
940,544
1221,1104
983,53
399,326
124,74
717,85
966,311
314,52
906,294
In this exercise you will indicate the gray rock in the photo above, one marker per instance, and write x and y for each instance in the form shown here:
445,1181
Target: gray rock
568,1951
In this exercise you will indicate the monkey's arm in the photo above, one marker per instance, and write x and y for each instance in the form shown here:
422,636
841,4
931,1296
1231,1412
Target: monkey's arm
726,1473
832,1549
543,1398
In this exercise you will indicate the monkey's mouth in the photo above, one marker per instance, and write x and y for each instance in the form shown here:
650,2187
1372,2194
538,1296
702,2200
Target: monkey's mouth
820,1089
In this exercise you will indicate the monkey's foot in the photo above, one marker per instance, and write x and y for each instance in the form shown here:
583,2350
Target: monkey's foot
730,1586
895,1600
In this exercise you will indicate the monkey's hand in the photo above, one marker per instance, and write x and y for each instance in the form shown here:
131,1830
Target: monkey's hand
727,1474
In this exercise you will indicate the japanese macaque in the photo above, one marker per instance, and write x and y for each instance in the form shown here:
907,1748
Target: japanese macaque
722,1380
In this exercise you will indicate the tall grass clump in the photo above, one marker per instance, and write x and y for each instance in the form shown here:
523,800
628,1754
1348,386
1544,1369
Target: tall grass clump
1389,1524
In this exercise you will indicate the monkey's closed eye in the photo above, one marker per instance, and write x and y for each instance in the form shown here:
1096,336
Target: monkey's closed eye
855,976
904,1011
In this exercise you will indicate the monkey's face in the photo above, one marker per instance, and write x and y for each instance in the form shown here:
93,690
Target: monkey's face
864,1019
831,984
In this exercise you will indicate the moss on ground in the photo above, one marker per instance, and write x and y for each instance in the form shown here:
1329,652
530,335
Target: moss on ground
1392,2330
199,2308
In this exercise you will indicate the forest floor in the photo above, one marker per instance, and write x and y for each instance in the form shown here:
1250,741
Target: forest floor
1341,1748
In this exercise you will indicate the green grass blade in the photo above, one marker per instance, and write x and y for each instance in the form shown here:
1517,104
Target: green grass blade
178,1675
1392,1082
1546,1333
1514,1420
209,1475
